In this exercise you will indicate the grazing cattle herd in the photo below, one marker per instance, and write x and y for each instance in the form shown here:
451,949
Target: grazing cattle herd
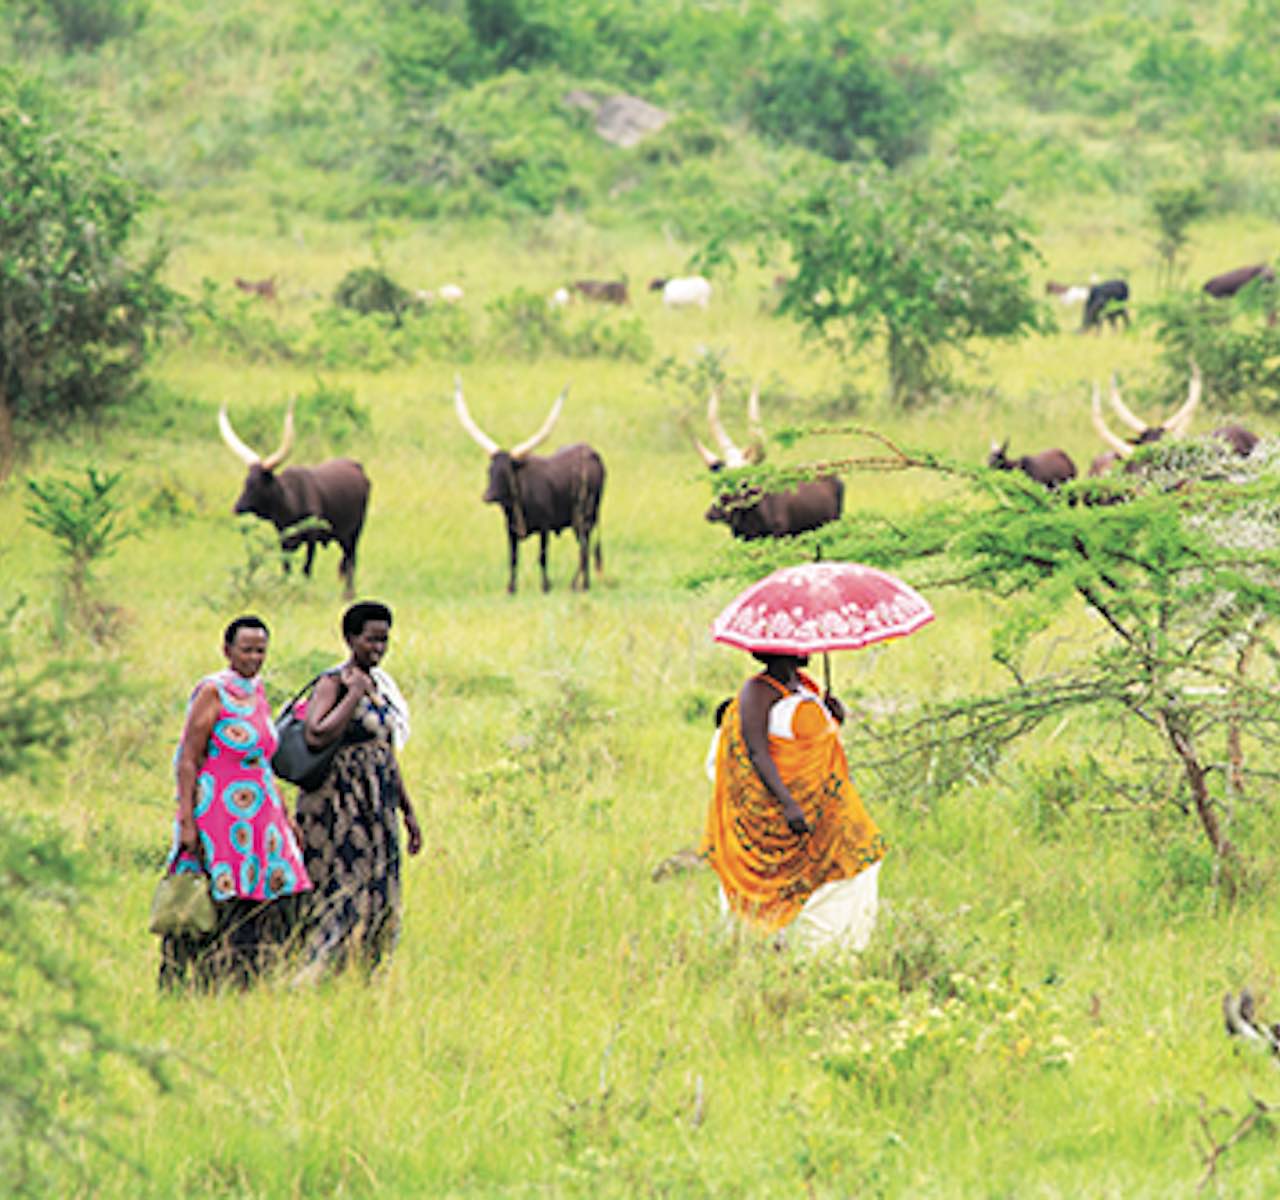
547,494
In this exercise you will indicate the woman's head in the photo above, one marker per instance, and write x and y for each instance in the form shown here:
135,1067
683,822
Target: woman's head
365,627
244,642
781,662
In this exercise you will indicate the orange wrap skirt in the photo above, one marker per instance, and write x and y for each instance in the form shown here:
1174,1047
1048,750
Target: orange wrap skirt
767,872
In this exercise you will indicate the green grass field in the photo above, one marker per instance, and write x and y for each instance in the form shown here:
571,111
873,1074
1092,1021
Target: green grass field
1039,1013
554,1022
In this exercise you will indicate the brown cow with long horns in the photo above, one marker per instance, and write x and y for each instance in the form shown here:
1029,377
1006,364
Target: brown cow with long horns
754,514
334,494
542,494
1143,434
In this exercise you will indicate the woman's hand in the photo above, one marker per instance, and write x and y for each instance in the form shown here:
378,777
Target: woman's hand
834,707
412,831
188,834
355,680
795,819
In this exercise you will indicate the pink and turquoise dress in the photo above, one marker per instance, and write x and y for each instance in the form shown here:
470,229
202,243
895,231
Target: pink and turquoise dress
249,849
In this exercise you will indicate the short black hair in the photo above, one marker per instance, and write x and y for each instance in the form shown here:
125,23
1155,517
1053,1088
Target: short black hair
360,614
246,622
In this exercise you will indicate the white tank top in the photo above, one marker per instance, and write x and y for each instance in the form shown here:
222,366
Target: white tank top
783,713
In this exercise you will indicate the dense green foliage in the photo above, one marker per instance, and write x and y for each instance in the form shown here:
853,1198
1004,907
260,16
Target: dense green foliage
76,315
825,85
1178,560
926,261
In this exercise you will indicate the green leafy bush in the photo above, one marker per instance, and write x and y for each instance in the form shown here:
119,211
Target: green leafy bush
331,416
826,86
76,315
371,290
1235,346
509,144
83,519
926,260
86,24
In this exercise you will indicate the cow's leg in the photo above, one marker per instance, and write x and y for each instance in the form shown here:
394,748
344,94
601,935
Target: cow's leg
311,557
347,569
543,535
513,560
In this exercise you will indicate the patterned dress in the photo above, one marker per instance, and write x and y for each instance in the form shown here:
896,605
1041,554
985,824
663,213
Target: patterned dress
351,844
254,865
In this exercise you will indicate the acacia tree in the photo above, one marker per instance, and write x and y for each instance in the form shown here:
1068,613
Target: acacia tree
76,315
1179,565
927,261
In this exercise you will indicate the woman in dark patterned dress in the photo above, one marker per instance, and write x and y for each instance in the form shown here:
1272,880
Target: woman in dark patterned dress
350,839
231,825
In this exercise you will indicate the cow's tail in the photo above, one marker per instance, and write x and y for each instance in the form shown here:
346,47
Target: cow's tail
599,551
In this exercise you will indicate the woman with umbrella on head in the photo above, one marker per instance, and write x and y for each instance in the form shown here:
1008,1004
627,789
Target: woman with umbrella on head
786,831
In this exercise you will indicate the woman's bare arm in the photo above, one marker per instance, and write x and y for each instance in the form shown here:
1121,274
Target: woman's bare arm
754,702
331,706
201,716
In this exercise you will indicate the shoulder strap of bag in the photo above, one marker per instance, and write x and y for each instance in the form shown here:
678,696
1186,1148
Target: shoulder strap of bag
304,689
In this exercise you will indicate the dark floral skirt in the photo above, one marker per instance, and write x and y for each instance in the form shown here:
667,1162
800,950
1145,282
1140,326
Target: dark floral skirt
351,847
253,938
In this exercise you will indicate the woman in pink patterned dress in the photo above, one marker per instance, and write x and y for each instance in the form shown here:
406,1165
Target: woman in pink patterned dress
231,823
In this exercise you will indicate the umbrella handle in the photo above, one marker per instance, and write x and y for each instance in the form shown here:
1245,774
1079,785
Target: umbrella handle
826,671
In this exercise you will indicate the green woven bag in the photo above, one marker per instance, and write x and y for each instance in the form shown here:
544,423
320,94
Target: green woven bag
182,905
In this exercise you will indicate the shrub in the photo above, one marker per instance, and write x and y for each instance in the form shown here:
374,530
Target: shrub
1237,350
509,144
86,24
826,87
84,520
371,290
76,316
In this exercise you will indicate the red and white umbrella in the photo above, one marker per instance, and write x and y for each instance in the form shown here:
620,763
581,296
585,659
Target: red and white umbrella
821,606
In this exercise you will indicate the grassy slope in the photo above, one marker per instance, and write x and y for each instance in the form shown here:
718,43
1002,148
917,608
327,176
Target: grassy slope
555,1023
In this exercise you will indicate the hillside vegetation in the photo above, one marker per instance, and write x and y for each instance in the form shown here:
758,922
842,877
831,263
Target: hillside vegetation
1040,1011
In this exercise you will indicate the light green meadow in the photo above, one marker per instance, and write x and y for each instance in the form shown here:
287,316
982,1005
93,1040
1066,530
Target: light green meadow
554,1022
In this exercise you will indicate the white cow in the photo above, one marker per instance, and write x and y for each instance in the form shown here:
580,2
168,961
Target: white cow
683,293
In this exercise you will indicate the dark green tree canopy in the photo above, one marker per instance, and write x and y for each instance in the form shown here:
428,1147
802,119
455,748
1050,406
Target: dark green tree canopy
927,261
76,315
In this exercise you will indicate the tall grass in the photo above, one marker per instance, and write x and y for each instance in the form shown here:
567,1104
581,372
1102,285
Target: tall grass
554,1022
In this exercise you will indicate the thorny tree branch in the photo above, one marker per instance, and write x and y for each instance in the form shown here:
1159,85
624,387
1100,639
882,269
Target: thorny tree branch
1214,1150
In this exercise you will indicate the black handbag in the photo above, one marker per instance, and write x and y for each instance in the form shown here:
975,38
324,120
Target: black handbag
295,760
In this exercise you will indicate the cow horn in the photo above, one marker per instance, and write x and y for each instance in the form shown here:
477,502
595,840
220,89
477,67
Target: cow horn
238,448
520,451
1123,411
708,456
1181,420
271,462
733,457
755,427
486,443
1119,445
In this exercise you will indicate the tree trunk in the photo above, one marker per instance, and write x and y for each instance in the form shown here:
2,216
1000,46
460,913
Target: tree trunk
1235,752
1228,860
7,449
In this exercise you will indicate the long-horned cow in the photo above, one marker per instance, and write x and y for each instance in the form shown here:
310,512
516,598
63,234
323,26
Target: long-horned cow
1049,468
753,514
542,494
334,494
1143,433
